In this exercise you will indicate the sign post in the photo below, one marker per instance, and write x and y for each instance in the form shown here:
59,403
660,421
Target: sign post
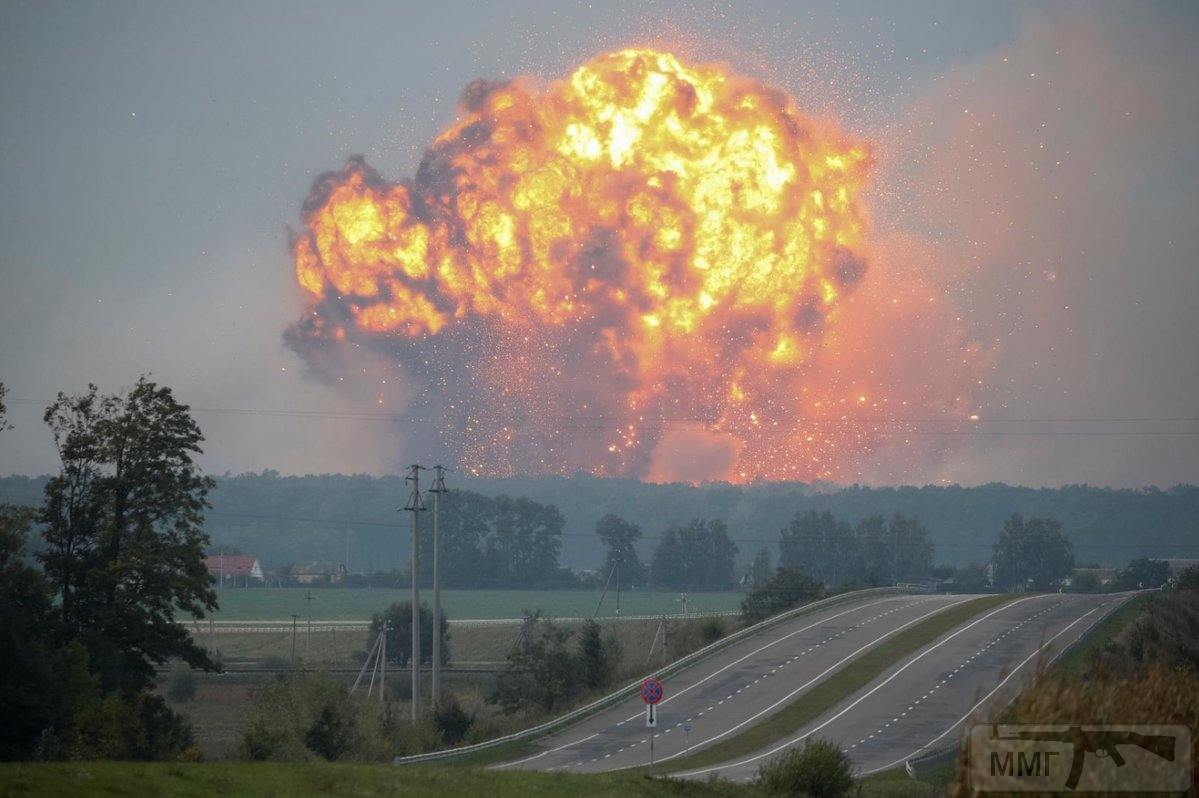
651,694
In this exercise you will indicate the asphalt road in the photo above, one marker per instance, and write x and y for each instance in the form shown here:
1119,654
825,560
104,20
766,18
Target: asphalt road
733,689
921,702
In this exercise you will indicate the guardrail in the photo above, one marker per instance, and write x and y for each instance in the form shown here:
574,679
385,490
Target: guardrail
631,688
931,760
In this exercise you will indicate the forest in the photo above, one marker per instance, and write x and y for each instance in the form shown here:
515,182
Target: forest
356,519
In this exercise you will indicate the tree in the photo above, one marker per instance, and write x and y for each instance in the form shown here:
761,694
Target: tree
817,544
598,657
699,554
542,673
913,549
1143,573
620,538
759,571
124,530
452,720
787,588
1033,554
1189,578
3,410
398,617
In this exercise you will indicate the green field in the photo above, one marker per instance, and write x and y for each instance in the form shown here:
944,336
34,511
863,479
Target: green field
271,603
319,778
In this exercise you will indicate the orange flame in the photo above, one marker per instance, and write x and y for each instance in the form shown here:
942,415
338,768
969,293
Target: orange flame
678,238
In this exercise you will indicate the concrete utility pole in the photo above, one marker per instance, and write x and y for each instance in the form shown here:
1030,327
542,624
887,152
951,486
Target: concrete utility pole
308,597
437,489
416,506
294,618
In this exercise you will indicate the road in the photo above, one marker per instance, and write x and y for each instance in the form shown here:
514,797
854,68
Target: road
734,688
921,703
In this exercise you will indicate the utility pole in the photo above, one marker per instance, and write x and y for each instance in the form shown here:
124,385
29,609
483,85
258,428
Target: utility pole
294,618
437,489
308,597
416,506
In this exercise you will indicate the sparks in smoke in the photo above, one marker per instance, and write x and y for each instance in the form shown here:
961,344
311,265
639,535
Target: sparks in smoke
641,269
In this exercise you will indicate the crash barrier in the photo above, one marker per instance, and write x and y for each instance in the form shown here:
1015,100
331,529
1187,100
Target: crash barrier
633,687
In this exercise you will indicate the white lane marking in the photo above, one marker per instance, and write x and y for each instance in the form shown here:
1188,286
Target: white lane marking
815,679
711,675
871,692
982,700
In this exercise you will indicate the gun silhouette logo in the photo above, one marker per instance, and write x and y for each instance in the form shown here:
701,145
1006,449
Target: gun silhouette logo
1059,758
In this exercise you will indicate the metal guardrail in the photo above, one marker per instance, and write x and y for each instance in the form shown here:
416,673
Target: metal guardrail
930,761
631,688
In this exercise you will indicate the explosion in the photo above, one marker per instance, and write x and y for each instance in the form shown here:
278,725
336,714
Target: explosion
640,265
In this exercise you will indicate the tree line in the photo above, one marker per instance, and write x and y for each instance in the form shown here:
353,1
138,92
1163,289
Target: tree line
318,518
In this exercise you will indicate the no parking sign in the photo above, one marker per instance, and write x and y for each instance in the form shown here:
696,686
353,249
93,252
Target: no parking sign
651,694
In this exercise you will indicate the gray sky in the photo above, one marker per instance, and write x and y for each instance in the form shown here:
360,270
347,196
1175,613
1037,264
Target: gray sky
153,154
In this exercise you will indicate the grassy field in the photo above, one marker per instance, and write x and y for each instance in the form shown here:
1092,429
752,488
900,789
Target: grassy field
268,779
839,686
279,603
318,778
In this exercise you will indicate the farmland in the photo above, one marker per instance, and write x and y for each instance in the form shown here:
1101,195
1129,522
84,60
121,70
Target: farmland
332,604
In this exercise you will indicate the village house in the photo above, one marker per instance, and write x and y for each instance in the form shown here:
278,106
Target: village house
234,569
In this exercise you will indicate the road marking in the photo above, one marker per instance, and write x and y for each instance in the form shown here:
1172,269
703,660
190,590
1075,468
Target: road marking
982,700
878,687
715,674
815,679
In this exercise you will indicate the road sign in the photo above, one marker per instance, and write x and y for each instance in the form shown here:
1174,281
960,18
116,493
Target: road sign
651,691
651,716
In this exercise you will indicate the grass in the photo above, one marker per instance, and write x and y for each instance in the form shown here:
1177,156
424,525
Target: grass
897,784
353,603
838,687
271,779
1077,661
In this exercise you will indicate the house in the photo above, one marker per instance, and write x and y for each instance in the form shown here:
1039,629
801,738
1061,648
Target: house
234,569
316,573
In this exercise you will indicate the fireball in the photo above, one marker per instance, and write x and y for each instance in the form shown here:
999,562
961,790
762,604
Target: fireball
640,264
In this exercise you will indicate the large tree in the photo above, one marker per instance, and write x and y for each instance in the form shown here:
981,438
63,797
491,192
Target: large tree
698,555
1032,554
123,525
620,538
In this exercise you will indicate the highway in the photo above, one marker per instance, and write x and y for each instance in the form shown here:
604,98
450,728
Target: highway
735,687
921,703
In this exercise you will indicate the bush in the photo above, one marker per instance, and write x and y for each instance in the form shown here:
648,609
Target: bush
452,720
182,684
332,734
820,770
786,589
711,630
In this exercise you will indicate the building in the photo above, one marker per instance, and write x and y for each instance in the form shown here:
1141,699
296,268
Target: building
234,569
318,573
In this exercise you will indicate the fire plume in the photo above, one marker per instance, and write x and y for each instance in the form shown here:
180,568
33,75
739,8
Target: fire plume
645,250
